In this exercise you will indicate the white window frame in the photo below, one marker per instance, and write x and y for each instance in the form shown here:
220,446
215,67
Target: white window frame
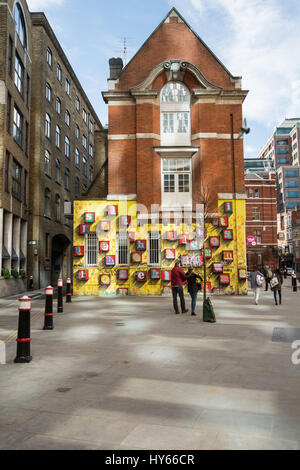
67,147
58,73
57,136
256,211
154,235
67,118
91,249
47,162
176,198
68,87
173,112
49,56
48,125
58,105
48,92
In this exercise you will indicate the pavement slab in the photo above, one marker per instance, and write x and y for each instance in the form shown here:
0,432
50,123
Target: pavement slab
126,373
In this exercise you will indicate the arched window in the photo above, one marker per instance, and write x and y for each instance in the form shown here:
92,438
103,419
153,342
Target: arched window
67,118
20,25
67,147
57,170
58,72
47,203
77,157
175,114
49,56
47,163
57,207
84,165
77,187
58,105
48,126
57,136
48,92
67,178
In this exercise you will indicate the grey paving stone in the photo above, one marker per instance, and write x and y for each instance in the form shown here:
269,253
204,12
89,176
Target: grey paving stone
140,385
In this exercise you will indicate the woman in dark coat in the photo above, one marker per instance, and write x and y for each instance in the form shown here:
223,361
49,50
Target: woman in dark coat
277,289
294,281
193,287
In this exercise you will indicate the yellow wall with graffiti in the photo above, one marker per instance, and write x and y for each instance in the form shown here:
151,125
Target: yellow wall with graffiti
101,272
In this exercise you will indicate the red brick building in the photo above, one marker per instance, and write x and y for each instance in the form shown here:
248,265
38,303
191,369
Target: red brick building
175,119
136,138
261,219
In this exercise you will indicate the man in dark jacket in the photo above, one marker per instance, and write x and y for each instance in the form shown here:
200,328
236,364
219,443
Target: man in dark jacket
178,280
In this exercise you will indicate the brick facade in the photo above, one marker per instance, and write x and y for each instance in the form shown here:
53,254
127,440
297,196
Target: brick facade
261,219
175,117
52,230
134,117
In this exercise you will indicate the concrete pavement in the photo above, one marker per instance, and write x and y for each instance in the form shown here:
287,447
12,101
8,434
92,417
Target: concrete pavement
126,373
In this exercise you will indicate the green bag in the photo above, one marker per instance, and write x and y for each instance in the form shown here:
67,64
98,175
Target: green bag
208,312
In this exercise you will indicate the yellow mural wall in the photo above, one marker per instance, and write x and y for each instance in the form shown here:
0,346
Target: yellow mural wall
107,225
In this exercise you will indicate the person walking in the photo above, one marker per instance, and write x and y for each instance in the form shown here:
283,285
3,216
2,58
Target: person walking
294,281
276,283
193,287
257,279
178,280
268,276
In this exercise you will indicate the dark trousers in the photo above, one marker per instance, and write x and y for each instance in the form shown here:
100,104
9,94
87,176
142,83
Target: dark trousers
279,295
175,291
267,283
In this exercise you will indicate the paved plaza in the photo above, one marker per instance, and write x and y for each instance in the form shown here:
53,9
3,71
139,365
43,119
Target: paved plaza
126,373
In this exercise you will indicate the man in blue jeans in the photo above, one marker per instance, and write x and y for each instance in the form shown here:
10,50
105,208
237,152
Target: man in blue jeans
178,280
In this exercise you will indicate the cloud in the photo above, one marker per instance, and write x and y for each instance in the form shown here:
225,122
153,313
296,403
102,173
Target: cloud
262,46
35,5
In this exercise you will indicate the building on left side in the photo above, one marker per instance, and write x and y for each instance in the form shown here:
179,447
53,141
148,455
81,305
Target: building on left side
52,151
15,100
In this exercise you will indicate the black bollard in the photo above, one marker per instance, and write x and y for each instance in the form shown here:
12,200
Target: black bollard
31,282
60,307
48,325
23,340
68,294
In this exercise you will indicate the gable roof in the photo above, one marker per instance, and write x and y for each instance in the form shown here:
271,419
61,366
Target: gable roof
174,10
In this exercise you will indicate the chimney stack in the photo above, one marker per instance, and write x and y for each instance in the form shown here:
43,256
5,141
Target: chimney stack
115,67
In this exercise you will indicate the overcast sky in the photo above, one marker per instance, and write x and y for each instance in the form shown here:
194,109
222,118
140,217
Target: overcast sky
256,39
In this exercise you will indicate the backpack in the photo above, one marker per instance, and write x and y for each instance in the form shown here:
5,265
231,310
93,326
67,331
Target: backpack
259,279
269,274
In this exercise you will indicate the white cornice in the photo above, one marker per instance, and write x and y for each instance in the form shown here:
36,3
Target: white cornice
213,135
184,151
